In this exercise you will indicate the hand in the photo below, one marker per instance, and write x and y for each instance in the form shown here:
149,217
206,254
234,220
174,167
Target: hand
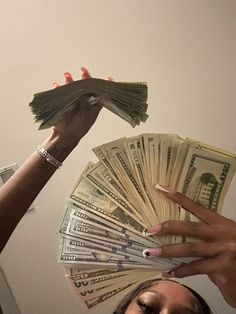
77,125
217,250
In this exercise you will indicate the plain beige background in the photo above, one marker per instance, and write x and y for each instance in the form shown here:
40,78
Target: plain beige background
184,49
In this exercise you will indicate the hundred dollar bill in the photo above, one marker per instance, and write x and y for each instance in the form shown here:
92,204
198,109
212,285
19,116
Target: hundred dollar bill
76,229
85,252
88,223
110,247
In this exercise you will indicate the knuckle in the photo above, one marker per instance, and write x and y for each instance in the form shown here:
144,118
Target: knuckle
192,248
231,248
194,228
167,226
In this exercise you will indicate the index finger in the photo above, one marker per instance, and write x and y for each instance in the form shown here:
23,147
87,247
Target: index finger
201,212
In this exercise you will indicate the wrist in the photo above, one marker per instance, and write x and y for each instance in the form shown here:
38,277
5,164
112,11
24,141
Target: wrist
60,145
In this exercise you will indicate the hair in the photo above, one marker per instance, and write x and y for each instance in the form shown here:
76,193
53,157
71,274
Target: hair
125,302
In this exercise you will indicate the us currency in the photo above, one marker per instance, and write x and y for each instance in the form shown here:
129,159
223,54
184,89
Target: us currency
97,284
94,196
78,229
206,176
99,177
99,300
91,295
127,100
115,199
88,223
83,274
100,254
102,247
107,154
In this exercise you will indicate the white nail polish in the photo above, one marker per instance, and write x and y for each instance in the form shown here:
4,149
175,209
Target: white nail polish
159,187
145,253
146,233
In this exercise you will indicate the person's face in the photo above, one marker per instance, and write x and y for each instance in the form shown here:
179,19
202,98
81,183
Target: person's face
165,297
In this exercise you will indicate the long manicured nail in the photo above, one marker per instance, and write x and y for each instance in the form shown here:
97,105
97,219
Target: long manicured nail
67,74
168,274
151,252
83,69
164,188
55,85
152,230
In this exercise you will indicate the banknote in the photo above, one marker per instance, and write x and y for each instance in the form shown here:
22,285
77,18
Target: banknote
100,200
94,253
96,225
127,100
114,199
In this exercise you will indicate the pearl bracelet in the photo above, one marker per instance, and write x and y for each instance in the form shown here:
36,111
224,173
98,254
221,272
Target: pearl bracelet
49,158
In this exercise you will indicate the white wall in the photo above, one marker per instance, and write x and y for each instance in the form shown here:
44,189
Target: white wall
7,300
186,51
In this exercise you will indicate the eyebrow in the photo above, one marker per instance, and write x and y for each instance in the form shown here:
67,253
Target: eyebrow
178,307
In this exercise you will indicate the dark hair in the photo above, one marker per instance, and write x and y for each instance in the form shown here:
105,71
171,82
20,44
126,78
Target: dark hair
125,302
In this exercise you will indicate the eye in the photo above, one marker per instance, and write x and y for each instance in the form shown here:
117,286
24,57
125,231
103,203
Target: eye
145,308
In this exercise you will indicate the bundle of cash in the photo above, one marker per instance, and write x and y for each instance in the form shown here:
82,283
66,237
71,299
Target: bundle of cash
127,100
115,199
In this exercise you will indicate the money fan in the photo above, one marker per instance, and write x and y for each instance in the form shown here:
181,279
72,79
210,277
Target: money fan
115,199
127,100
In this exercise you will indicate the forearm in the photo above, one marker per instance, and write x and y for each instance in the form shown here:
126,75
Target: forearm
18,193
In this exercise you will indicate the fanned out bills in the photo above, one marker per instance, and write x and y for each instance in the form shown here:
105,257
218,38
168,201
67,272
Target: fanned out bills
127,100
115,199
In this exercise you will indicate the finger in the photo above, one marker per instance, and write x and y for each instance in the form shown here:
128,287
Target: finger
198,210
94,100
85,73
68,78
190,249
55,85
204,266
197,230
91,102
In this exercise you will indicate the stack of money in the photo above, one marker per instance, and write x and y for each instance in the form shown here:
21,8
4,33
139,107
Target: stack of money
115,199
127,100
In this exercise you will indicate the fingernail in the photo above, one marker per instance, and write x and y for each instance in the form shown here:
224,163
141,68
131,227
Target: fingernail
151,231
168,274
164,188
151,252
67,74
54,85
109,78
84,70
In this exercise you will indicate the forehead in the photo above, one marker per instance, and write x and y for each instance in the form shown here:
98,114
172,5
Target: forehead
169,286
171,290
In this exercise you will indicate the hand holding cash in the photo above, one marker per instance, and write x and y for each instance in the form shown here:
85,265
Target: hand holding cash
217,248
102,244
80,99
78,123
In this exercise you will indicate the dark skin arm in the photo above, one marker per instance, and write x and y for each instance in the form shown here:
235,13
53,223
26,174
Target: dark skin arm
18,193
